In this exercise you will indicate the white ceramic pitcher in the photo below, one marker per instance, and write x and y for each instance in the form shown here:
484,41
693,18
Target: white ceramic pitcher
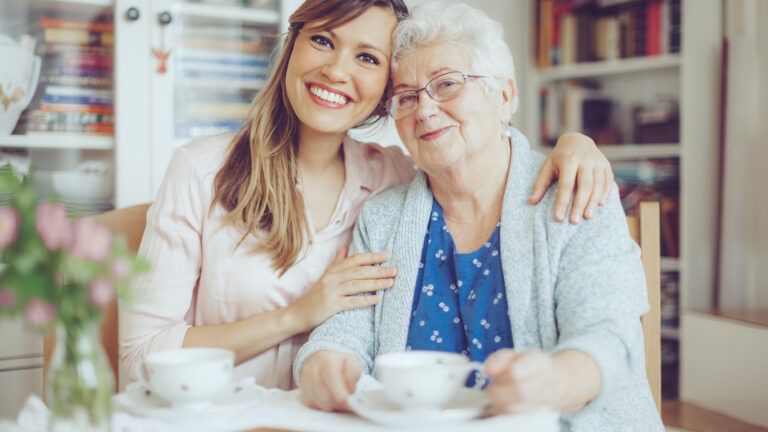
19,74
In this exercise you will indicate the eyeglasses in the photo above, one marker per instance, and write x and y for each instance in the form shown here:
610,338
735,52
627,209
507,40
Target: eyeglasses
441,88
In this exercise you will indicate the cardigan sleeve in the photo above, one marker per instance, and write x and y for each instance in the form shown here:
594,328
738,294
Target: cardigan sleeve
350,331
156,318
600,295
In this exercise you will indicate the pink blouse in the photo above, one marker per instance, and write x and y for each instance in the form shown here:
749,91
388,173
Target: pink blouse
200,278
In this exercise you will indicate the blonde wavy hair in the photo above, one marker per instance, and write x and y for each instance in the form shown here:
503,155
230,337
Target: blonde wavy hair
257,183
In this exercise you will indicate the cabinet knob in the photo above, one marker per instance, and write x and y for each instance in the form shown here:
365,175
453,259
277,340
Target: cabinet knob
132,14
164,18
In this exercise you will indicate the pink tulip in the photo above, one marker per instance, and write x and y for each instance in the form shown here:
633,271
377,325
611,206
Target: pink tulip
38,313
101,293
7,298
120,268
9,224
92,240
53,225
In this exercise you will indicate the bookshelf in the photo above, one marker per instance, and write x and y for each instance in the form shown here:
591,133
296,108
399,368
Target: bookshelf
689,78
57,141
240,14
641,151
610,67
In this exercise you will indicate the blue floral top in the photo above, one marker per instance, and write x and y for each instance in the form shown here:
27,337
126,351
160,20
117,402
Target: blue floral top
460,303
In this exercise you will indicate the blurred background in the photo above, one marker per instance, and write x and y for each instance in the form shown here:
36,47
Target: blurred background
96,95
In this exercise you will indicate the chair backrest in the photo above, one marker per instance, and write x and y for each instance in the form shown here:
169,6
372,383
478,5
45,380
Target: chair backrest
644,228
128,222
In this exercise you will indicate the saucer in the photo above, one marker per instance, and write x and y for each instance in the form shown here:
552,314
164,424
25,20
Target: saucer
376,406
139,401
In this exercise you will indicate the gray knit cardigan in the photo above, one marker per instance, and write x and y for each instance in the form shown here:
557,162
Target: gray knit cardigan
568,287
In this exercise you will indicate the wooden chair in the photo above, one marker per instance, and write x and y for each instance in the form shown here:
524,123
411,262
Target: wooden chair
128,222
644,229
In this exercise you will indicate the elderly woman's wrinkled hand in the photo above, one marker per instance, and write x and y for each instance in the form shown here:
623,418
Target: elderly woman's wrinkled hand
579,164
328,378
521,382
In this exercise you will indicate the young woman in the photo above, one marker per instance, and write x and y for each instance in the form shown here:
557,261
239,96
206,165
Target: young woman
248,233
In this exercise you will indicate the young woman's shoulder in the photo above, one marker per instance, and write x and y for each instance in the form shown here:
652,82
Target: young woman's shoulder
380,167
207,154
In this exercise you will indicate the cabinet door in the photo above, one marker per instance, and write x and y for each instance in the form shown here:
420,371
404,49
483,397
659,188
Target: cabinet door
209,60
133,22
18,340
18,382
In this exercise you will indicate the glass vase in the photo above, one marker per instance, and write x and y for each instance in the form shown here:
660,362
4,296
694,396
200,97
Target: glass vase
80,383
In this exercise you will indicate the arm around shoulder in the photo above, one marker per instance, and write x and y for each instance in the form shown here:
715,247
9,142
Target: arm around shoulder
600,295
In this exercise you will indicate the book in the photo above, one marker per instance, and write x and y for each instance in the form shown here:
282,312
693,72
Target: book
48,22
75,36
55,107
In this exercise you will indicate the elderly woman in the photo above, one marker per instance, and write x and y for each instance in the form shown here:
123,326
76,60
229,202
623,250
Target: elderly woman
552,309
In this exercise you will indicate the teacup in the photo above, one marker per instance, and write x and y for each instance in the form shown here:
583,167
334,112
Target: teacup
188,376
19,73
424,380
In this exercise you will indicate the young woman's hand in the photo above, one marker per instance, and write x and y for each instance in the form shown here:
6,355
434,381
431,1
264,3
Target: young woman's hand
578,165
339,288
327,380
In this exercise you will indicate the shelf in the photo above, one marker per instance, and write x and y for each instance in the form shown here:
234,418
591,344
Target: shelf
610,67
640,151
58,141
670,264
103,3
620,152
234,13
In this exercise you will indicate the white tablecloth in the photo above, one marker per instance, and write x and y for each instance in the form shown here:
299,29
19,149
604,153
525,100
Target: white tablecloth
260,407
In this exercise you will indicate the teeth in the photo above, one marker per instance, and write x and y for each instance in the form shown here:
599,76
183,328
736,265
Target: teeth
328,96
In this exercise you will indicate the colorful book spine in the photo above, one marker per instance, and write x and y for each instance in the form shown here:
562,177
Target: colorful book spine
62,23
74,36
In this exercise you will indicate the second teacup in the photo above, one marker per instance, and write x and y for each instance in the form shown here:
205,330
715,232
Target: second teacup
188,376
419,380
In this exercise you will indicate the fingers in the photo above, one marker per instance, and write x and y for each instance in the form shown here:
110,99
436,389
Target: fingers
334,381
609,182
365,272
360,301
364,286
545,178
497,364
362,259
585,184
565,186
597,193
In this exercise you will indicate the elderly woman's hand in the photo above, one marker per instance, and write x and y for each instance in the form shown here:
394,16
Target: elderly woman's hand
578,164
521,381
528,380
327,380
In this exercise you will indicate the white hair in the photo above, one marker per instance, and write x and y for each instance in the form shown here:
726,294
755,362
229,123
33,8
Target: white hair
443,21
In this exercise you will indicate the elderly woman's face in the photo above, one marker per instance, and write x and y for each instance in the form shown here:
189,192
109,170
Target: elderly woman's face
440,135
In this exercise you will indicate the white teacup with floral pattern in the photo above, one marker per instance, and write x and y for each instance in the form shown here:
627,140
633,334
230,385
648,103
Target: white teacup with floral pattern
19,73
424,380
188,376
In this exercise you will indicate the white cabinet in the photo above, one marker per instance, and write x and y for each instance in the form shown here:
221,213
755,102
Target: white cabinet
21,359
190,70
18,381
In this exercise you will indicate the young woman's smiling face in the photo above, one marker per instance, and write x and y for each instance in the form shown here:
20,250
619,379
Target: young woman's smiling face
336,78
